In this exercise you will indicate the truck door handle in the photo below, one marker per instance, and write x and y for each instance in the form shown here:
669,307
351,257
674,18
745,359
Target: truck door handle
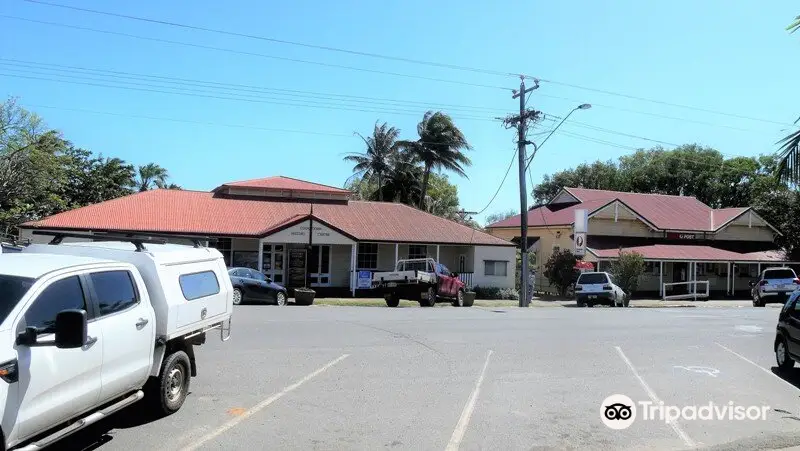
90,341
141,323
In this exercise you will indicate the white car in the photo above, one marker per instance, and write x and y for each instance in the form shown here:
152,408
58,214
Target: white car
594,288
774,286
87,329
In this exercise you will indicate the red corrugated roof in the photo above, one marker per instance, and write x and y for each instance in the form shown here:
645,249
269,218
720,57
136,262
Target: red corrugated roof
194,212
285,184
662,211
686,252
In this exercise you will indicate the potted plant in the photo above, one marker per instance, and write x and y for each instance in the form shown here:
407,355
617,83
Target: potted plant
304,296
469,298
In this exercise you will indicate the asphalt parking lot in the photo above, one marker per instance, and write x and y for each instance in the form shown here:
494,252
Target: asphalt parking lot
331,378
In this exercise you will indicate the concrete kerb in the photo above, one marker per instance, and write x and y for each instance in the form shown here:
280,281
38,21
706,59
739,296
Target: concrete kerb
550,303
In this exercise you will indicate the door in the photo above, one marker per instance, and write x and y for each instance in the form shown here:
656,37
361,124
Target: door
128,326
263,287
445,280
253,283
319,266
793,328
272,264
680,273
56,384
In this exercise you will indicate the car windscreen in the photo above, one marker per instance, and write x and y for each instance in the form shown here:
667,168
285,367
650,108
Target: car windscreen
12,288
779,274
592,279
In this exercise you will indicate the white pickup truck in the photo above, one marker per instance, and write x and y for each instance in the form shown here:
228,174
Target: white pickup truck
423,280
89,328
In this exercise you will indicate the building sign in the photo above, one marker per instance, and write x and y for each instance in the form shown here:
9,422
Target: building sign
297,267
364,279
579,243
298,234
684,236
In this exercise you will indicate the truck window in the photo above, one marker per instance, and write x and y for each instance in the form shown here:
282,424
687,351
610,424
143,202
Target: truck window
592,278
61,295
12,289
199,285
115,291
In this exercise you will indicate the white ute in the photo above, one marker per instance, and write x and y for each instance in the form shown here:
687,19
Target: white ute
89,328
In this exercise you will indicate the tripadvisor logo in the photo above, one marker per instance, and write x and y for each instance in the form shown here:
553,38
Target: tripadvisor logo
619,412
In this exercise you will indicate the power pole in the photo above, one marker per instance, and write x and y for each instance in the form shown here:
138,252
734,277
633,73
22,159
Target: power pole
520,123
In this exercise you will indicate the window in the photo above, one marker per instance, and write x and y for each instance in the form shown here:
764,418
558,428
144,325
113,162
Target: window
779,274
443,270
495,268
652,268
592,278
417,251
224,246
259,276
367,256
199,285
245,259
462,263
61,295
115,291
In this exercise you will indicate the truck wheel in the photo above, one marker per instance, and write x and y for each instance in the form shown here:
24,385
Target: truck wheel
392,300
459,301
431,301
170,388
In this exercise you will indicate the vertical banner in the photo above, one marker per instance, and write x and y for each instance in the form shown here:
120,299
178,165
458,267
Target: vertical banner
579,230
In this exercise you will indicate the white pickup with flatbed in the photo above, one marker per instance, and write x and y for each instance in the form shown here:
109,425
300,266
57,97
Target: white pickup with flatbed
419,279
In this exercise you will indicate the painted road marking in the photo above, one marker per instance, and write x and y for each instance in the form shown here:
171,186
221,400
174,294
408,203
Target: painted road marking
262,405
751,329
755,365
713,372
466,414
673,424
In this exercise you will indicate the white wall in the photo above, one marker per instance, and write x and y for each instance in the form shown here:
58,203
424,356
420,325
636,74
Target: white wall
501,253
340,266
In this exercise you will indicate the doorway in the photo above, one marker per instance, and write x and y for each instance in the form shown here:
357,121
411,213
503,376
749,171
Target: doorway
680,273
319,266
272,263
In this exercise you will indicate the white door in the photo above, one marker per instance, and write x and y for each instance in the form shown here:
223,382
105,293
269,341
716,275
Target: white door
272,263
319,266
127,324
56,384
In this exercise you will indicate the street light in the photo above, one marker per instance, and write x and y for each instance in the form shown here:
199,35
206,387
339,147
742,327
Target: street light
583,106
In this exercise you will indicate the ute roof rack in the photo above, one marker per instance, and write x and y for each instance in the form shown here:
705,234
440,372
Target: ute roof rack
138,239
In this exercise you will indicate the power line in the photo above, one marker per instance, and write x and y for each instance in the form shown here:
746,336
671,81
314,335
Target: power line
252,99
278,41
661,102
614,132
513,157
242,52
230,86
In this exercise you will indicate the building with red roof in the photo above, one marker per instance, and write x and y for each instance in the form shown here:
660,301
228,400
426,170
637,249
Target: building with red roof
681,238
265,224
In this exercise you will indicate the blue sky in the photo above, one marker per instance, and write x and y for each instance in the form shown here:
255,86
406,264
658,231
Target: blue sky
705,54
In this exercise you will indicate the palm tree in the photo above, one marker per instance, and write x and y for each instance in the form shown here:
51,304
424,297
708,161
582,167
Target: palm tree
789,154
403,180
374,163
439,146
150,174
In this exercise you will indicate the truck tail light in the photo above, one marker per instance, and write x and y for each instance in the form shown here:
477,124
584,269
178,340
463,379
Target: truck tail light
796,281
606,287
762,283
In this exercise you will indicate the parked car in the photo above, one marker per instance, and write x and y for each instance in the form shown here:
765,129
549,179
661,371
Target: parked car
774,286
250,285
422,280
594,288
787,335
87,329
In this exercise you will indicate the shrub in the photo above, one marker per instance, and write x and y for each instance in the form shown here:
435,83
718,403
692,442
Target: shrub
627,270
495,293
560,269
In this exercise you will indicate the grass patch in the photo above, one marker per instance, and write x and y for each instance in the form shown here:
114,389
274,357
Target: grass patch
374,302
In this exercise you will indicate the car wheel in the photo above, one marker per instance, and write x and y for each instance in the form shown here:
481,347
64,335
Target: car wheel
782,358
459,301
168,391
237,296
280,298
392,300
431,301
759,302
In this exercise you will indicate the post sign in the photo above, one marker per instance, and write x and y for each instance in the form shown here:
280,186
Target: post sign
684,236
579,243
364,279
581,224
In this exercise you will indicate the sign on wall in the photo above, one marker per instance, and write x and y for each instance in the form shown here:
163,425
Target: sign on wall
297,267
581,224
298,234
579,244
684,236
364,279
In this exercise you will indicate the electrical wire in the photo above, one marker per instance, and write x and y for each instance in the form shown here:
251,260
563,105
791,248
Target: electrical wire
513,157
242,52
278,41
60,69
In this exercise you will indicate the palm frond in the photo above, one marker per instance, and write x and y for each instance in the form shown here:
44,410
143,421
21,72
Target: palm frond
794,26
788,169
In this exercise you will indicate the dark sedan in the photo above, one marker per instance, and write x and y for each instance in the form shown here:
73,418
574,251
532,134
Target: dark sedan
250,285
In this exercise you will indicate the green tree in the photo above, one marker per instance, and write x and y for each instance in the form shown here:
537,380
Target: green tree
627,270
149,175
497,217
92,179
788,169
442,197
560,269
375,162
440,146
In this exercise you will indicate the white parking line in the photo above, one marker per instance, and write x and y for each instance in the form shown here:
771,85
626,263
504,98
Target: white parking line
674,424
260,406
755,364
461,427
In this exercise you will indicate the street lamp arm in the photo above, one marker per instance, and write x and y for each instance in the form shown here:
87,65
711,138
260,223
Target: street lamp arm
584,106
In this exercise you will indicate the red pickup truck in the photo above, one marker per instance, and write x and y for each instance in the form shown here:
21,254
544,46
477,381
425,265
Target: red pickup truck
423,280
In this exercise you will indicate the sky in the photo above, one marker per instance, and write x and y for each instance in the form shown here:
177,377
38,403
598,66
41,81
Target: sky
272,108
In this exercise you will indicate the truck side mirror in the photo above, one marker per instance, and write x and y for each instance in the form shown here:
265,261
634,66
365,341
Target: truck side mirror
71,329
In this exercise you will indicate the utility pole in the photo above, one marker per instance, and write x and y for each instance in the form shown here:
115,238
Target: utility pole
520,123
